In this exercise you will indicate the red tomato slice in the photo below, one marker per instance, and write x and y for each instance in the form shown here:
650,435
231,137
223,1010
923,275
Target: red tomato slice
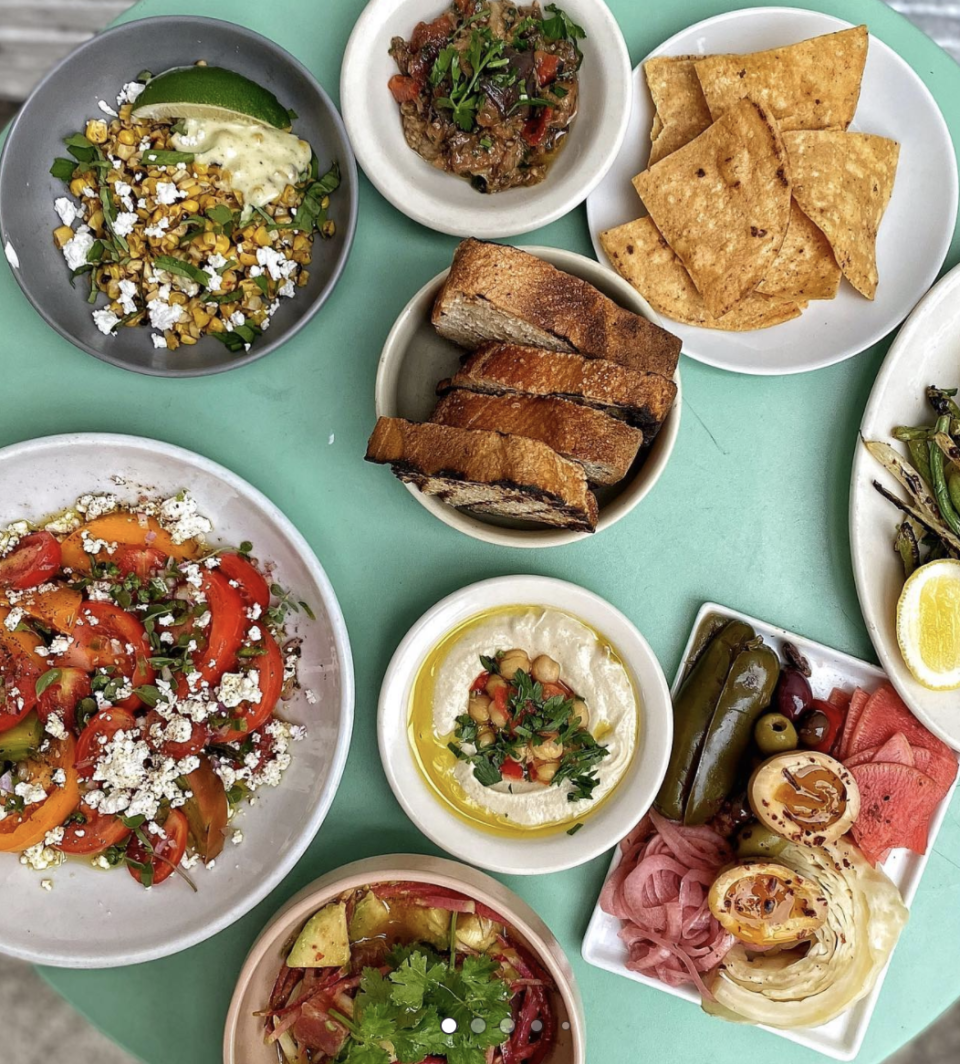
511,770
168,849
20,668
32,561
62,696
547,65
270,667
199,737
253,588
480,682
97,833
228,621
101,642
142,562
106,723
501,698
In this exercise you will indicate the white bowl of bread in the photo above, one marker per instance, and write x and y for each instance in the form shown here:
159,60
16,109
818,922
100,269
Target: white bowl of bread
527,397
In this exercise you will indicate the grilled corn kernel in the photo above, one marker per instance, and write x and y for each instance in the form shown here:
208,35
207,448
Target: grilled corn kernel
77,185
222,244
187,339
200,316
126,136
62,235
329,228
303,278
173,341
191,206
246,259
96,221
229,280
125,151
210,240
216,325
96,131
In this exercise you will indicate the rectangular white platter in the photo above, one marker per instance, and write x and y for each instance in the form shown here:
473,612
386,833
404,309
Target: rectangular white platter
842,1037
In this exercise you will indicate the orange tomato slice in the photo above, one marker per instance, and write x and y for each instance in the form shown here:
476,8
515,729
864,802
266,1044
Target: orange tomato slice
125,529
20,830
57,608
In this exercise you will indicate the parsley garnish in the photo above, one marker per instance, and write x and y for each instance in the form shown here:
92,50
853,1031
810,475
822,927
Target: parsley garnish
406,1007
465,97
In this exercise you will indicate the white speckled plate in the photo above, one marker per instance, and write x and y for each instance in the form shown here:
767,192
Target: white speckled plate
94,919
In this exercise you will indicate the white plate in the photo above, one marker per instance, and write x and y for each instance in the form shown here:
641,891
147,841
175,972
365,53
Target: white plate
926,351
548,853
96,919
842,1037
415,358
916,230
443,201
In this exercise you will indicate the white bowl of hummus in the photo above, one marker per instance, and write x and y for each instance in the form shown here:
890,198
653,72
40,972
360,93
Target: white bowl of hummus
524,724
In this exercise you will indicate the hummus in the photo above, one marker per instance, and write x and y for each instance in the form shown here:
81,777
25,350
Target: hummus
588,664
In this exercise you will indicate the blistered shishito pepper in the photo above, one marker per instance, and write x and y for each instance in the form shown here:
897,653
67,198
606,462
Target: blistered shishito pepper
746,694
693,709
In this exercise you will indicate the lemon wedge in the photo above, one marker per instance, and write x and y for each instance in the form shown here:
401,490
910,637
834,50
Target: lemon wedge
928,624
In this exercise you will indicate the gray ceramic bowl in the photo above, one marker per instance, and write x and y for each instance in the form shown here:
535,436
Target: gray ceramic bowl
64,101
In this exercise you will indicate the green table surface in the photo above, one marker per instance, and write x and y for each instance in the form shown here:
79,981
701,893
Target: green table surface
751,512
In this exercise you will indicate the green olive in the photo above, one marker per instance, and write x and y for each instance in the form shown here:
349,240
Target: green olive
757,841
775,734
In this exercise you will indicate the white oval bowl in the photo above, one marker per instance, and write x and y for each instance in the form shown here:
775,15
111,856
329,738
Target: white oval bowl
618,813
96,919
415,358
926,351
243,1032
917,228
448,203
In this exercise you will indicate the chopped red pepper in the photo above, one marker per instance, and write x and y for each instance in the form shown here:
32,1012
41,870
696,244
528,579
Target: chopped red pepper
511,770
480,682
535,128
403,88
547,65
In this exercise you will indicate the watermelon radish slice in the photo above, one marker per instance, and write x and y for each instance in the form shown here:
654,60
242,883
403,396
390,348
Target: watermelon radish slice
942,768
840,698
897,803
896,751
882,717
858,700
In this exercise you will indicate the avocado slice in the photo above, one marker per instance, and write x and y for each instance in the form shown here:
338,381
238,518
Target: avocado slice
476,932
22,740
370,918
324,942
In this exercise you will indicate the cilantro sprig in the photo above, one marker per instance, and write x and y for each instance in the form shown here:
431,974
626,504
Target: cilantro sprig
535,719
406,1008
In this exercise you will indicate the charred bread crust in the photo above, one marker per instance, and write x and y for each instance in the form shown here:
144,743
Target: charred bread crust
570,314
434,457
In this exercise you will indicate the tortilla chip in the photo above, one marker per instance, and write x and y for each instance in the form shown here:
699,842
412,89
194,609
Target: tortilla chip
811,85
723,203
641,256
681,110
842,182
805,267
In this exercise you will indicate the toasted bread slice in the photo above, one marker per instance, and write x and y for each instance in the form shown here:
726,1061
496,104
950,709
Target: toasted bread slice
512,476
640,399
604,446
496,292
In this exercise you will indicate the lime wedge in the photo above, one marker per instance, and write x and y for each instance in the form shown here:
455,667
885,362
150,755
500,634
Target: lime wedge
211,93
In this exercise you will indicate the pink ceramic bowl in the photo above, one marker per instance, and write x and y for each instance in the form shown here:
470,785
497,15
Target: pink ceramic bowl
243,1034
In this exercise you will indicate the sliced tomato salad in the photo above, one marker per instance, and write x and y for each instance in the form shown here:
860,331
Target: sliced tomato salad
140,677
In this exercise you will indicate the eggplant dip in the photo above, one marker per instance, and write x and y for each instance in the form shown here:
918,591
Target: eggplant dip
488,90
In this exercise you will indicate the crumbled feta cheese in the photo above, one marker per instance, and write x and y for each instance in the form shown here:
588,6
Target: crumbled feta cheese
30,792
164,315
67,210
13,618
59,777
66,523
288,290
124,193
124,223
254,611
106,108
130,92
217,261
157,231
214,281
159,340
105,320
275,263
11,254
54,836
179,516
128,289
40,857
189,862
54,726
75,250
237,837
144,144
96,505
100,862
311,697
238,687
254,635
167,193
46,884
237,318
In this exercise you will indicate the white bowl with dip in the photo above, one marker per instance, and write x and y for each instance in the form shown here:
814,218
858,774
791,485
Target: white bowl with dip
528,850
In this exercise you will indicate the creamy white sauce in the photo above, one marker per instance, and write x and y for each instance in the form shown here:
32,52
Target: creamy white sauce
259,161
586,665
